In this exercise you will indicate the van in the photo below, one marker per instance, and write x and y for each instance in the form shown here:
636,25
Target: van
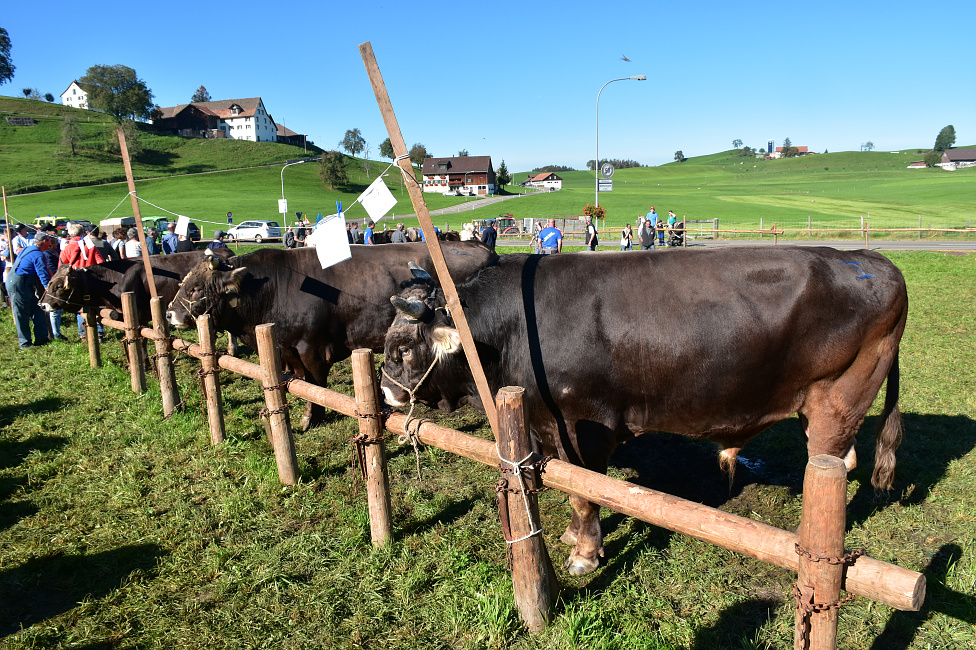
110,224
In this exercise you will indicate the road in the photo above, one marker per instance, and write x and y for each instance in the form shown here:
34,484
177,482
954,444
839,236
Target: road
875,244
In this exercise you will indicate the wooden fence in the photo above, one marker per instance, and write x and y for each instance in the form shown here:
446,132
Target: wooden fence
816,553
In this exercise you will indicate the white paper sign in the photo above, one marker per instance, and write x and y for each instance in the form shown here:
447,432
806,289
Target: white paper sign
377,199
282,206
330,241
182,223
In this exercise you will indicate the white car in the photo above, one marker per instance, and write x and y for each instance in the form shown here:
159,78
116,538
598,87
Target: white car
257,229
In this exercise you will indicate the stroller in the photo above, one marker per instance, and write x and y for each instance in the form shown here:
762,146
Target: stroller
676,235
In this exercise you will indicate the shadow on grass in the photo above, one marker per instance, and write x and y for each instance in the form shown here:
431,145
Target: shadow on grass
46,587
47,405
13,452
736,624
902,627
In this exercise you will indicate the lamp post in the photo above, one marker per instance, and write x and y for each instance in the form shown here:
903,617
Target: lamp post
596,161
285,214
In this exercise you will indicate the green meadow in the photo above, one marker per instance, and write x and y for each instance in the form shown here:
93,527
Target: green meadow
808,196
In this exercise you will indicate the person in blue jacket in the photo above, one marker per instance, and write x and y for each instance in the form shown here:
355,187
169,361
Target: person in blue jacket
25,280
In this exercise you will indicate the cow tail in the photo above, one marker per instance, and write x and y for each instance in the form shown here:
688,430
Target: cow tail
889,433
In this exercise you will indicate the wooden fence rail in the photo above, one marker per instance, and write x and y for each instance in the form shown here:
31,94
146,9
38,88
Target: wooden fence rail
880,581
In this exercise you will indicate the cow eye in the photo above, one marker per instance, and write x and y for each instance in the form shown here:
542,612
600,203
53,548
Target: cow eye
405,352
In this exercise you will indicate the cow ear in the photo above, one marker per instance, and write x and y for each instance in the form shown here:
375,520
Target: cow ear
237,274
233,301
447,339
418,272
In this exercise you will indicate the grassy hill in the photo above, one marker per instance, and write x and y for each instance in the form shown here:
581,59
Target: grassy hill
33,159
821,191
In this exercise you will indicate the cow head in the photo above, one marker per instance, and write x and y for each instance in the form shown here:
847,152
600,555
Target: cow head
66,291
211,287
422,350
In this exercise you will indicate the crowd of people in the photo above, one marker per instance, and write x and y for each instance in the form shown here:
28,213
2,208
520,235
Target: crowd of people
29,260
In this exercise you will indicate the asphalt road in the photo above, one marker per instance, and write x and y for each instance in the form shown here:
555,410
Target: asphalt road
877,244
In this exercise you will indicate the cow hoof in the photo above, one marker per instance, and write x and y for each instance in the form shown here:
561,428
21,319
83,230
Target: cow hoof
307,423
568,538
578,566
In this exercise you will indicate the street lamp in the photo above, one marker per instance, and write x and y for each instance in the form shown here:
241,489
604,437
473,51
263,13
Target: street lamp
285,214
596,161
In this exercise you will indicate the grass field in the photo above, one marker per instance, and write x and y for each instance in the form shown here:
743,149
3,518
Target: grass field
819,192
121,530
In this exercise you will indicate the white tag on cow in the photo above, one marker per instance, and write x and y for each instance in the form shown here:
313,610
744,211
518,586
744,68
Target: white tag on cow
330,240
377,199
182,224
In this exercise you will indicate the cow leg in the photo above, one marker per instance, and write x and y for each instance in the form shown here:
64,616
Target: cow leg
231,345
316,372
587,535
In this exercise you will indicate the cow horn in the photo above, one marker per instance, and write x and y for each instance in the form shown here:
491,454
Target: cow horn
67,275
412,308
418,272
214,262
208,252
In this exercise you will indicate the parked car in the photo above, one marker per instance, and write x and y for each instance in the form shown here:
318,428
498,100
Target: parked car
160,223
258,230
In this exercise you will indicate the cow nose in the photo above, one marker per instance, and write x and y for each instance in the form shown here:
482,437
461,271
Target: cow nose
46,307
171,317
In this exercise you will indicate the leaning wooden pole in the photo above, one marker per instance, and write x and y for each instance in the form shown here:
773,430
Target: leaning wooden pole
210,375
430,235
133,342
6,219
277,407
533,579
820,572
372,450
136,213
91,333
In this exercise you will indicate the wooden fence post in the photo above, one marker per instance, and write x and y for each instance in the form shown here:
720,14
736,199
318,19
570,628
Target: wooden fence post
91,333
533,578
277,406
209,374
133,342
867,227
821,548
168,388
372,450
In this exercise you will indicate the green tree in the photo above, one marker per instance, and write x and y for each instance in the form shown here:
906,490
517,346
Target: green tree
946,138
502,177
787,144
353,142
679,156
868,146
6,65
386,149
737,143
48,97
418,154
200,95
133,140
933,158
463,153
332,169
70,132
27,92
117,91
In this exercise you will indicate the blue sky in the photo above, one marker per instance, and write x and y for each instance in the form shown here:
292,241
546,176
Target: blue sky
519,81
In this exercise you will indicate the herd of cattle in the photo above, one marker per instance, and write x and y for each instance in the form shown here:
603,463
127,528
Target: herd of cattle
734,341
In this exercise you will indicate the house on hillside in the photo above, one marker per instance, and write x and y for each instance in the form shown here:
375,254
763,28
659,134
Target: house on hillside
800,151
74,96
468,175
953,159
237,119
287,136
547,181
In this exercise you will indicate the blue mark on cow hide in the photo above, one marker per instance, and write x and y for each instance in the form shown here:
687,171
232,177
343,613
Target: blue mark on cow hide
457,251
857,265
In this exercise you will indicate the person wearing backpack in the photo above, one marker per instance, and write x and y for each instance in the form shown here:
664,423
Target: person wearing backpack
592,241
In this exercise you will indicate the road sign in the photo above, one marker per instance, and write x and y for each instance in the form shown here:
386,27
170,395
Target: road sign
605,185
607,170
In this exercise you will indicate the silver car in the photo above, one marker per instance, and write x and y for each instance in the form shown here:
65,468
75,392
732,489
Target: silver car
258,230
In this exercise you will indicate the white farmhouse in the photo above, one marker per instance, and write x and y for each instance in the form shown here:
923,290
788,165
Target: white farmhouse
238,119
547,181
467,175
74,96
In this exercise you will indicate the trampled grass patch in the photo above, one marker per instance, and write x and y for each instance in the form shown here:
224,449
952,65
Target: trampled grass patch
121,529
